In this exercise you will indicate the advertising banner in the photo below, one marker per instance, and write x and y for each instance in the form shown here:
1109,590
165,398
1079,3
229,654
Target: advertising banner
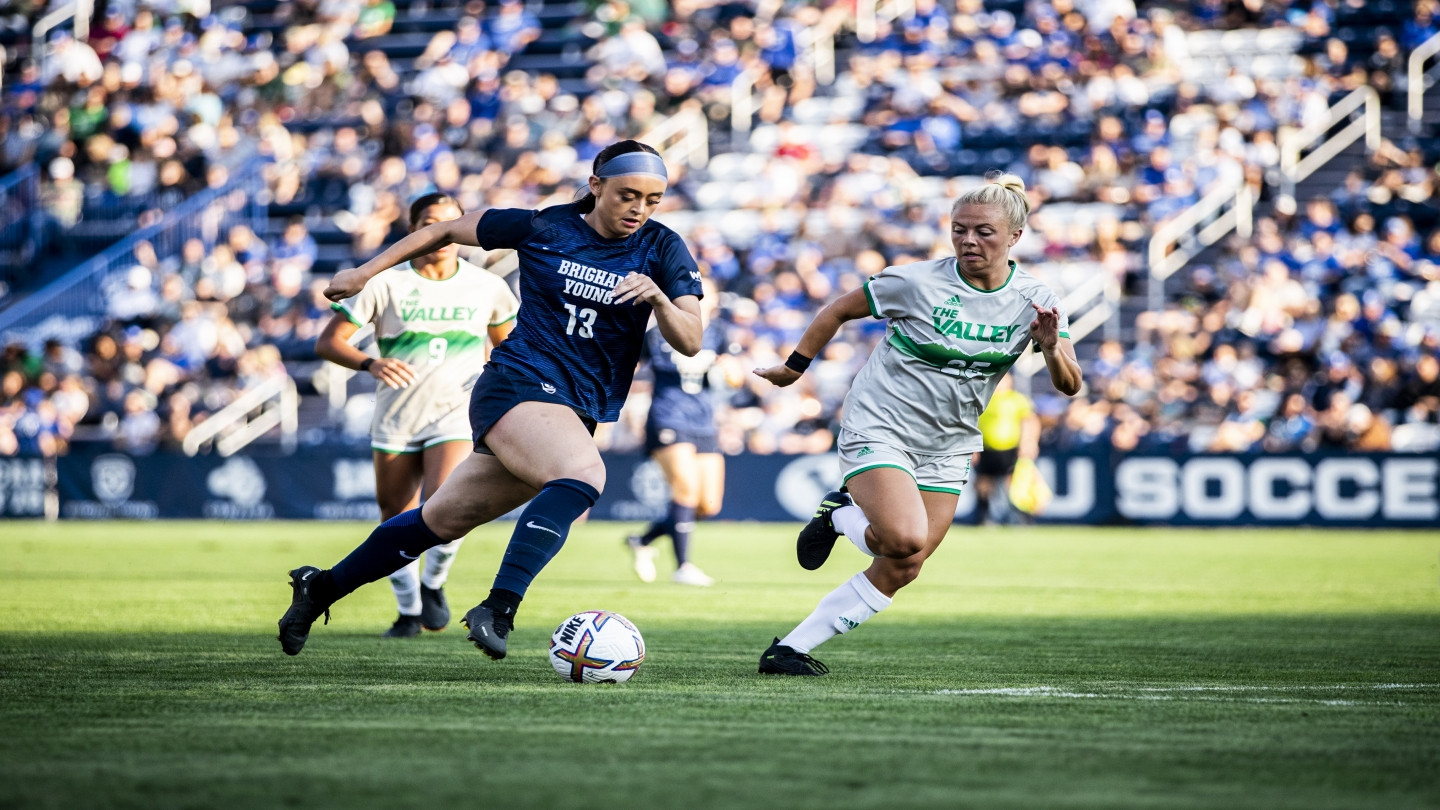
1376,490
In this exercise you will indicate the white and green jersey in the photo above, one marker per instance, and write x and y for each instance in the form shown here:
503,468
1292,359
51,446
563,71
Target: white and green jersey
439,328
947,345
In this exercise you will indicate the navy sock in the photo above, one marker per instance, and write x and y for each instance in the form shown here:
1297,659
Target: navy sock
389,548
658,529
682,519
541,531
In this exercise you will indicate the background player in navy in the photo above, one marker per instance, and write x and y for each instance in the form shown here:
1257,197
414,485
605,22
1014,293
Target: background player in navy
592,272
681,436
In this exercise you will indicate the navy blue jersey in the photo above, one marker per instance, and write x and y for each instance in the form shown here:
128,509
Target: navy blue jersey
568,334
682,384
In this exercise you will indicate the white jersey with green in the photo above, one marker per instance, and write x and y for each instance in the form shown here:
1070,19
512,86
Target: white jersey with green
439,328
947,345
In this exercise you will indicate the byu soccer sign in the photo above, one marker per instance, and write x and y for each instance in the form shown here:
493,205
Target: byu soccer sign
1100,487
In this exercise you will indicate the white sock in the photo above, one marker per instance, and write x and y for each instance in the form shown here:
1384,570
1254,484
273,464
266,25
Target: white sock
437,563
406,585
851,522
841,611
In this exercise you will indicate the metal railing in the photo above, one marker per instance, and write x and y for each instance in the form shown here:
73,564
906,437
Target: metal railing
1098,301
1294,169
742,104
817,48
683,137
1419,81
22,221
81,10
870,13
79,295
275,403
1230,207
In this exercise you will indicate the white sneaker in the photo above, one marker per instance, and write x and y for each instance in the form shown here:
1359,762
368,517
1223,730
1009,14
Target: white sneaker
644,560
690,574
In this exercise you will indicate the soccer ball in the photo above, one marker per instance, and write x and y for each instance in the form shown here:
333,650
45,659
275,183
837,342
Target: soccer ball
597,646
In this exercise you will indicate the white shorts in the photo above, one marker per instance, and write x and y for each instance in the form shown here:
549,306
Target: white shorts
452,427
931,473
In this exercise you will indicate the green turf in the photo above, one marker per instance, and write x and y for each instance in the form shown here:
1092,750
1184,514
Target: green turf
1055,668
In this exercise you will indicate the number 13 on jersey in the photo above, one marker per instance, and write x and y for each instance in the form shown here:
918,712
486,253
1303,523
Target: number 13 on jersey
586,318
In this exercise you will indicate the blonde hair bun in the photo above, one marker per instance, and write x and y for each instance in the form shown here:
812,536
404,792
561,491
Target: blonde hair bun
1004,190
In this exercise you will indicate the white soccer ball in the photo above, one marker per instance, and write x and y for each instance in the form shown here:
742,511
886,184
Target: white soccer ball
597,646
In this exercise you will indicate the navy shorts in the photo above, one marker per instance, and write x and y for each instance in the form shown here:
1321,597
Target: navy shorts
658,435
498,390
997,463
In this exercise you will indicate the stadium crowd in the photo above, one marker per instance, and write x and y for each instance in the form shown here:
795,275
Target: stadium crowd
1320,331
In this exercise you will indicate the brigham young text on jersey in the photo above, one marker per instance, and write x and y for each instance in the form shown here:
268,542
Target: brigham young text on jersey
569,333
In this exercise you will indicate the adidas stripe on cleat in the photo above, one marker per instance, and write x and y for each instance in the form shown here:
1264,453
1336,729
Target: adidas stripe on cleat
782,660
813,546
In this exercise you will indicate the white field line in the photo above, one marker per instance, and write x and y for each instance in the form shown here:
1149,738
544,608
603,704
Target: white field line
1224,694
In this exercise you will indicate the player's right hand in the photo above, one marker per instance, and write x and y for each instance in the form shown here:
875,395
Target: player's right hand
393,372
345,284
781,375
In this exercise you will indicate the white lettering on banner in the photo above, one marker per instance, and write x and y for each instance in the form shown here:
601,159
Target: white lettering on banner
1145,488
1409,487
1265,504
1195,480
1330,503
354,478
241,483
22,487
1079,496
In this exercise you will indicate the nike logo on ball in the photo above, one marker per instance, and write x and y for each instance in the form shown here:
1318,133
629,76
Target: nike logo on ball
531,525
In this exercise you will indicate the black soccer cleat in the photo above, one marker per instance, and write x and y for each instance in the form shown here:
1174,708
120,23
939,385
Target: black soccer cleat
404,627
434,609
782,660
304,610
490,628
818,537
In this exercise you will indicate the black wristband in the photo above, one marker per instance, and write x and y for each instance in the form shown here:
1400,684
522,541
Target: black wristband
798,362
367,363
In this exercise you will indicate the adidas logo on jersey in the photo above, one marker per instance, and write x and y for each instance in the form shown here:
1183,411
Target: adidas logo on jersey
953,301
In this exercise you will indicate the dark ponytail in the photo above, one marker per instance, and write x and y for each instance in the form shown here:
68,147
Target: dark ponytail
585,203
417,208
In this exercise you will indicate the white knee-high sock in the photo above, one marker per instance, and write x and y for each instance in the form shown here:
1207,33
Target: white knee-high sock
851,522
406,585
438,560
841,611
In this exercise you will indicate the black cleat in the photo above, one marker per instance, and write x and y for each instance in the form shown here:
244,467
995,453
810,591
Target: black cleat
304,610
816,540
489,629
782,660
434,610
404,627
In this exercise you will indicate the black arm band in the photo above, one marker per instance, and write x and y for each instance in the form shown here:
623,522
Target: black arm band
367,363
798,362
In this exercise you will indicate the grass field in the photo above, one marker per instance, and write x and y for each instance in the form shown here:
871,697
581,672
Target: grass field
1045,668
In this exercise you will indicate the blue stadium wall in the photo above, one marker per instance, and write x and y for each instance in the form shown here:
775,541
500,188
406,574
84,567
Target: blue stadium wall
1349,490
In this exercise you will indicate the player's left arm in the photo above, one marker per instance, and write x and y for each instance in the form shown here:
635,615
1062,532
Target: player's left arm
1059,351
677,304
679,320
